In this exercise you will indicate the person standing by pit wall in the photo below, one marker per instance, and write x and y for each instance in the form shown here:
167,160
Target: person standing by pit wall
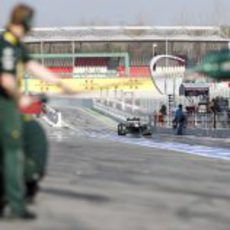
12,55
179,120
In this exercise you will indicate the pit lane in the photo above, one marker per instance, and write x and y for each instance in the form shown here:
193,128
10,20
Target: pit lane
98,183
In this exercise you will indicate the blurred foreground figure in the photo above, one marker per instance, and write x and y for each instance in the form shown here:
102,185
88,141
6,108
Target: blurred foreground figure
216,65
14,56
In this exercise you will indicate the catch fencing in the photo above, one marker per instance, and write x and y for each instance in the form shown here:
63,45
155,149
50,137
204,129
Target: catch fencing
127,105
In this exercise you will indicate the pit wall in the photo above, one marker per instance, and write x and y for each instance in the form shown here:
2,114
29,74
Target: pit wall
91,84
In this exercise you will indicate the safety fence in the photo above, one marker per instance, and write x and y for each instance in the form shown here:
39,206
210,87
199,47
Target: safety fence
119,110
196,120
203,124
127,108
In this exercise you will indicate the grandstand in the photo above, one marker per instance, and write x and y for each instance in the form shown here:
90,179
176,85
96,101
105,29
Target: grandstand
128,34
119,52
139,42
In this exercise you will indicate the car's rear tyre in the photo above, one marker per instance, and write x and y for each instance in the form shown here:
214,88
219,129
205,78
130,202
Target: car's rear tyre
121,130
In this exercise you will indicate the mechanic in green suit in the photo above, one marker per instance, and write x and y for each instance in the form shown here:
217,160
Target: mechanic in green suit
12,55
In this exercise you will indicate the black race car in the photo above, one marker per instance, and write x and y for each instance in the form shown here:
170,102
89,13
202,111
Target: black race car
133,126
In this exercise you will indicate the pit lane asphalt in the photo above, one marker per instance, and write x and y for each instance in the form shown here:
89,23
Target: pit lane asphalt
96,183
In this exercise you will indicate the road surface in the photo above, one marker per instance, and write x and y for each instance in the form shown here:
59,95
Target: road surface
97,182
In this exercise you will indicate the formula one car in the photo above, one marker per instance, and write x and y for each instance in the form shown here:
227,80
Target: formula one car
134,126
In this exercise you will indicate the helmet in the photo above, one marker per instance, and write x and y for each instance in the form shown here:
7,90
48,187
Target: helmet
22,15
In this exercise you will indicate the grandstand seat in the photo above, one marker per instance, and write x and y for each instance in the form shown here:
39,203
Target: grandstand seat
62,70
135,71
121,71
91,67
92,61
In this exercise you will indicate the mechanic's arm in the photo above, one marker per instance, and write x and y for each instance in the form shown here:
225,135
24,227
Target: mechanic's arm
9,84
39,71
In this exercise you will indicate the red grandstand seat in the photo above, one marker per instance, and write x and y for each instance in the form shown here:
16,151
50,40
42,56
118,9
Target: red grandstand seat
121,71
135,71
62,70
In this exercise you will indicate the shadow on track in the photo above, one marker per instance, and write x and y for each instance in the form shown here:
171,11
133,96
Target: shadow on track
76,195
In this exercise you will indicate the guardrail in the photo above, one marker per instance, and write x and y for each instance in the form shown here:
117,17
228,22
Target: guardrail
215,125
196,120
119,110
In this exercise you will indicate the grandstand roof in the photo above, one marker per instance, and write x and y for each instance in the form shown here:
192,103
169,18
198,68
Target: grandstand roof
127,33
